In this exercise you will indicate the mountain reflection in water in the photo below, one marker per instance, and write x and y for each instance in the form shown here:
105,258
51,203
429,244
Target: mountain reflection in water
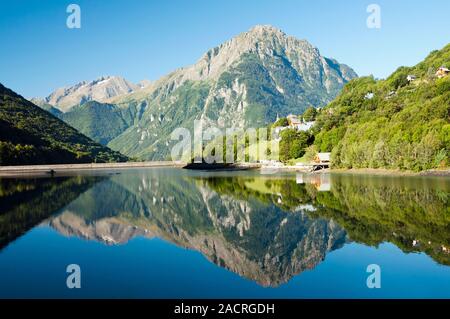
267,228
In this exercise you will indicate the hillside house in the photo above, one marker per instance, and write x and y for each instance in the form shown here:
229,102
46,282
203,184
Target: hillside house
411,77
293,120
305,126
299,124
369,96
442,72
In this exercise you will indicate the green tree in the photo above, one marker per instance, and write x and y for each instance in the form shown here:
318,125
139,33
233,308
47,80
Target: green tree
293,144
310,114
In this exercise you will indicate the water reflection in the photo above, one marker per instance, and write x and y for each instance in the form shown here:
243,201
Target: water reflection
24,203
265,228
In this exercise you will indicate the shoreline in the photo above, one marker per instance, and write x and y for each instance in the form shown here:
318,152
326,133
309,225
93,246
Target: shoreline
48,170
364,171
391,172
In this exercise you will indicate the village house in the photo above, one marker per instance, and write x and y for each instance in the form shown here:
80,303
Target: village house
293,123
442,72
411,77
305,126
299,124
369,96
293,120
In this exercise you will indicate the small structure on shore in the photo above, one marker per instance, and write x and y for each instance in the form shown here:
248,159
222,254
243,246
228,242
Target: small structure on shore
323,158
322,161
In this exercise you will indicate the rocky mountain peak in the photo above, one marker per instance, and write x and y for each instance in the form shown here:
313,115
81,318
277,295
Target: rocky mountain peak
244,82
261,40
265,29
264,41
100,89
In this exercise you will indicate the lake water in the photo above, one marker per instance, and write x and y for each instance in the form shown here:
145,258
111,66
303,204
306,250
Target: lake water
172,233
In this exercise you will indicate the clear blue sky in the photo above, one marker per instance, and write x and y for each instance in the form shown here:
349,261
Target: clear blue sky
145,39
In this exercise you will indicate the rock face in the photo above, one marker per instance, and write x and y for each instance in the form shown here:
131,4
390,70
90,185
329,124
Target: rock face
244,82
144,83
108,231
98,90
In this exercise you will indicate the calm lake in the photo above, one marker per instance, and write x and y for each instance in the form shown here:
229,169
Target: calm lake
173,233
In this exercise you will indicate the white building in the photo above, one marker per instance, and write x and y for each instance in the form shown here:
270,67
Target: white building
369,96
323,157
411,77
442,72
305,126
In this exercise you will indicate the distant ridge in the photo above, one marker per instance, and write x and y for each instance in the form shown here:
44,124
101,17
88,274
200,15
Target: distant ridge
100,90
31,135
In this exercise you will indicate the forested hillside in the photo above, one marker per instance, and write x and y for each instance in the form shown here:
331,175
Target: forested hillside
30,135
397,123
100,121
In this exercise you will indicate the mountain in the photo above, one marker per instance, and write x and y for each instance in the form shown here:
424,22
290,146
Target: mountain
45,106
30,135
245,82
394,123
82,106
52,110
100,121
99,90
144,83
